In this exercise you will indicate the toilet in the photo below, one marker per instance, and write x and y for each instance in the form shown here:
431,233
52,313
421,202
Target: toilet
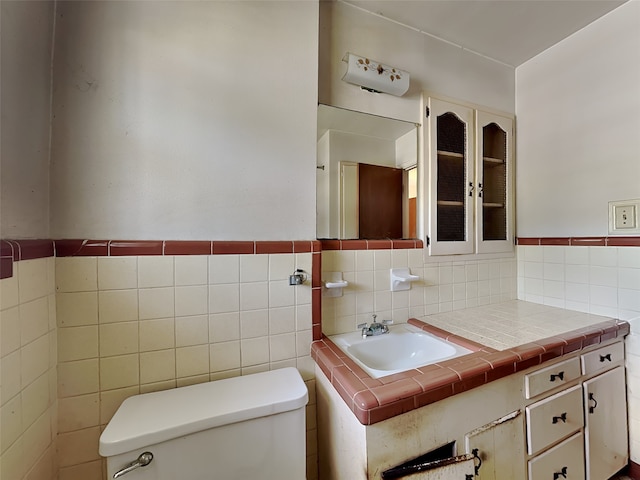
240,428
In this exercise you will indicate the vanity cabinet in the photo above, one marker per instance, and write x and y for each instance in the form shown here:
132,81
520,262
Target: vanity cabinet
470,180
564,419
580,431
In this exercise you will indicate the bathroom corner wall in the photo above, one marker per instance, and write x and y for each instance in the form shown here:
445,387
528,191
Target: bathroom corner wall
445,284
28,412
136,324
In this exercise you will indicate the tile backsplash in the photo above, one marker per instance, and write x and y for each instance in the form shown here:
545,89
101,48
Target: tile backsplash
445,284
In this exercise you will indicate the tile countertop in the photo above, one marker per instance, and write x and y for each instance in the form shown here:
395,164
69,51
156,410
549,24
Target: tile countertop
505,338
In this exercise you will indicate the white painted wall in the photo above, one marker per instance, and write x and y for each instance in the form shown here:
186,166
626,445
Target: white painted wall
578,122
434,65
578,147
27,35
185,120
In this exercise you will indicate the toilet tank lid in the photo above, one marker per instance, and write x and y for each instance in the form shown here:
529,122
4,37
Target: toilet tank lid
151,418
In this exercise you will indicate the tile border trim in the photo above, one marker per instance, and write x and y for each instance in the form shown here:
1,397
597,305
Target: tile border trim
28,249
630,241
374,400
18,250
336,244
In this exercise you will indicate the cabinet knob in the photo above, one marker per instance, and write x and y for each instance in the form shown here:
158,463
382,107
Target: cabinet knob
562,417
471,189
556,375
561,473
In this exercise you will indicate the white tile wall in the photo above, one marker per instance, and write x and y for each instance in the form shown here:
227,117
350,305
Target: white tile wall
129,325
599,280
28,345
445,285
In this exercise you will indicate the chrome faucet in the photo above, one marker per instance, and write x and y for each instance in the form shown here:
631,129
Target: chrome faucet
375,328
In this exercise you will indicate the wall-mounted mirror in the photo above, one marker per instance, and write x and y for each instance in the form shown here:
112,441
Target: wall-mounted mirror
366,176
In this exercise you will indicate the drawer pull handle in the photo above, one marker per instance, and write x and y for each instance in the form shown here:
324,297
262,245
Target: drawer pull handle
595,403
561,473
605,357
562,417
476,467
556,375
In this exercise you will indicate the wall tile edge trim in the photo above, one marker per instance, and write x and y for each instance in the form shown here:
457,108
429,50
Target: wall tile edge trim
334,244
631,241
17,250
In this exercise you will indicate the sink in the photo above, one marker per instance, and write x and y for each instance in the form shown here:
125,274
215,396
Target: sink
405,347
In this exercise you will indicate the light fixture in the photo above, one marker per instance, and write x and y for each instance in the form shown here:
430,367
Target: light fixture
375,76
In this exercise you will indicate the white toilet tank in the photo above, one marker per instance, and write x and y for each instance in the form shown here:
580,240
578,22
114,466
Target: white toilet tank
242,428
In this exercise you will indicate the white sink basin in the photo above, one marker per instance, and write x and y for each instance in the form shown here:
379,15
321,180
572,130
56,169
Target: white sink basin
405,347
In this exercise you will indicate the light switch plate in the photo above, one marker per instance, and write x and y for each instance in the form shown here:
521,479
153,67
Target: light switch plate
624,217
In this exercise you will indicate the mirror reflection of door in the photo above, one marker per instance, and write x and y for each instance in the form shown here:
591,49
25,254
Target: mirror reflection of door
379,201
411,187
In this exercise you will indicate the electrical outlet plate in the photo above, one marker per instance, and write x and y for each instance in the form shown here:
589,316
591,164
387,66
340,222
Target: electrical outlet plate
624,217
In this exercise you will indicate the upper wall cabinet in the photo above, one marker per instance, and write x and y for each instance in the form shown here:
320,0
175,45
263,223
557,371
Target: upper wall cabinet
469,158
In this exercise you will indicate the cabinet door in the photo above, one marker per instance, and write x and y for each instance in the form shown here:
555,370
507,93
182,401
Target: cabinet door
451,187
500,447
606,438
494,222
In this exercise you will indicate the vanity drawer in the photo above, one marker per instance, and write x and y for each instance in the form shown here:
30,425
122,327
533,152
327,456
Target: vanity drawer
602,358
564,461
551,377
554,418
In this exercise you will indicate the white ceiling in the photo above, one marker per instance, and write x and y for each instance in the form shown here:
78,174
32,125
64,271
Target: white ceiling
510,31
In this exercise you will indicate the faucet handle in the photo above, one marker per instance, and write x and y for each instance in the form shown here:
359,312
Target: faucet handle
374,318
360,326
387,322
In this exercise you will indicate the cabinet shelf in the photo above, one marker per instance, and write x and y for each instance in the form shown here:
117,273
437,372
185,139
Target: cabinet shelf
449,203
492,162
450,155
493,205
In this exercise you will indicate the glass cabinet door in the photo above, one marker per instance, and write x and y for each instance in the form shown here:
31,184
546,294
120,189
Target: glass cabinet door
493,207
451,178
